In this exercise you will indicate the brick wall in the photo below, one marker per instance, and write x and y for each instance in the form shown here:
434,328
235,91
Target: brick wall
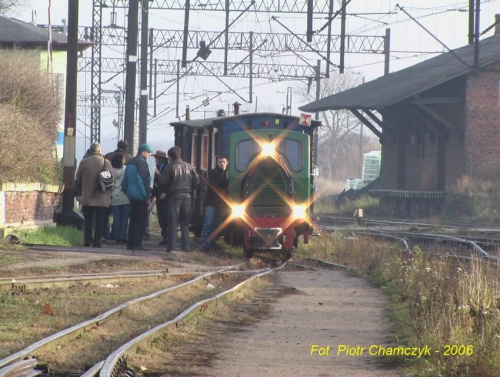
482,138
28,205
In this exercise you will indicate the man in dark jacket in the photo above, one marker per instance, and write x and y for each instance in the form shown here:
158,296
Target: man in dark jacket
215,206
137,186
177,187
121,147
161,161
94,202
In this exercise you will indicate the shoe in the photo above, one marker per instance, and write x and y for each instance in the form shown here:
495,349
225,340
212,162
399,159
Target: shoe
203,249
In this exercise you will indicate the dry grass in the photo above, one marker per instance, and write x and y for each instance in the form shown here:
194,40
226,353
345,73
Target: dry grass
29,115
95,343
473,201
436,302
22,321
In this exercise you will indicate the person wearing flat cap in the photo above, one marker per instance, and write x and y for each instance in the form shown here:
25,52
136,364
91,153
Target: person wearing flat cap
137,186
161,161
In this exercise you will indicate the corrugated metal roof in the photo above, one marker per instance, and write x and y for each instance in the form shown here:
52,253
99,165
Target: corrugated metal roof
19,33
397,86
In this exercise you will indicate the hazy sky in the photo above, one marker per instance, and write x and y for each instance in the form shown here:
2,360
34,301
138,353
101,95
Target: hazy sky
410,43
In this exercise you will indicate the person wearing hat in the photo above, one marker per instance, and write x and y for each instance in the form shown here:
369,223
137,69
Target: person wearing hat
137,186
161,161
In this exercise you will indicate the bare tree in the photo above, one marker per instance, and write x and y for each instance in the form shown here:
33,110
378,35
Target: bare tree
8,6
339,136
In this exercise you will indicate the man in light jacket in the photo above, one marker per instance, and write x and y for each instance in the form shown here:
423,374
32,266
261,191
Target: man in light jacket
137,186
94,202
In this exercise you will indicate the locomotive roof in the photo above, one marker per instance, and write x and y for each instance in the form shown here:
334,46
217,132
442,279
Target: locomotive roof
201,123
397,86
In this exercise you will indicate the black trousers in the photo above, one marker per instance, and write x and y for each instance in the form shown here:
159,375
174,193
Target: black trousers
137,223
100,222
162,212
179,212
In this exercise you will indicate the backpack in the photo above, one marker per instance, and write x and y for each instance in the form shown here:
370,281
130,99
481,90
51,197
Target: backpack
105,180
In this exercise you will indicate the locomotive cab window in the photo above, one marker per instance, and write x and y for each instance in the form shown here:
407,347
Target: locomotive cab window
290,149
246,150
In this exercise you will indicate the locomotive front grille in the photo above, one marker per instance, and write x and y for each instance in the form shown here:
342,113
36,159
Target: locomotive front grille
269,186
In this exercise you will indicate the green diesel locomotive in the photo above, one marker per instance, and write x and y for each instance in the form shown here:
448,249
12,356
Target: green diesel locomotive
272,176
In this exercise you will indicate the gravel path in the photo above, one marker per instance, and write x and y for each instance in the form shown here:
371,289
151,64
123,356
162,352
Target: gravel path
332,309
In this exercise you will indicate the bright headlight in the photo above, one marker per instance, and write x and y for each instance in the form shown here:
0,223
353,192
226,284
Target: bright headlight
238,210
299,211
268,149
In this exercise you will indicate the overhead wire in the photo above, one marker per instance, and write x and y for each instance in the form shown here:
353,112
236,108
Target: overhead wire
372,25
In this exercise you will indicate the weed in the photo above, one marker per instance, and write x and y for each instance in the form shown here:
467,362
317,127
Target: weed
473,201
438,303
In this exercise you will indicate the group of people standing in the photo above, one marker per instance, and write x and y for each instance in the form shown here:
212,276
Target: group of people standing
135,189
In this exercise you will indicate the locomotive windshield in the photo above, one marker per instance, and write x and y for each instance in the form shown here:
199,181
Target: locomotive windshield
289,149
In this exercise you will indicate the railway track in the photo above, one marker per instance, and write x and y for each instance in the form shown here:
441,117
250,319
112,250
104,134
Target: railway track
406,225
116,362
231,276
78,328
40,282
461,246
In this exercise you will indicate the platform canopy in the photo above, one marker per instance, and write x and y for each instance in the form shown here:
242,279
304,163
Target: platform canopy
409,82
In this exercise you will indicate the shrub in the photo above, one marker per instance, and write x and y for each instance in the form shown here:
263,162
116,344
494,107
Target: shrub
29,114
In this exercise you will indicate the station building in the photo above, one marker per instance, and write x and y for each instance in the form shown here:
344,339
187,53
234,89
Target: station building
437,122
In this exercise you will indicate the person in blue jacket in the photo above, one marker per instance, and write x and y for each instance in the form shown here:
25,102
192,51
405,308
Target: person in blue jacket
137,186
